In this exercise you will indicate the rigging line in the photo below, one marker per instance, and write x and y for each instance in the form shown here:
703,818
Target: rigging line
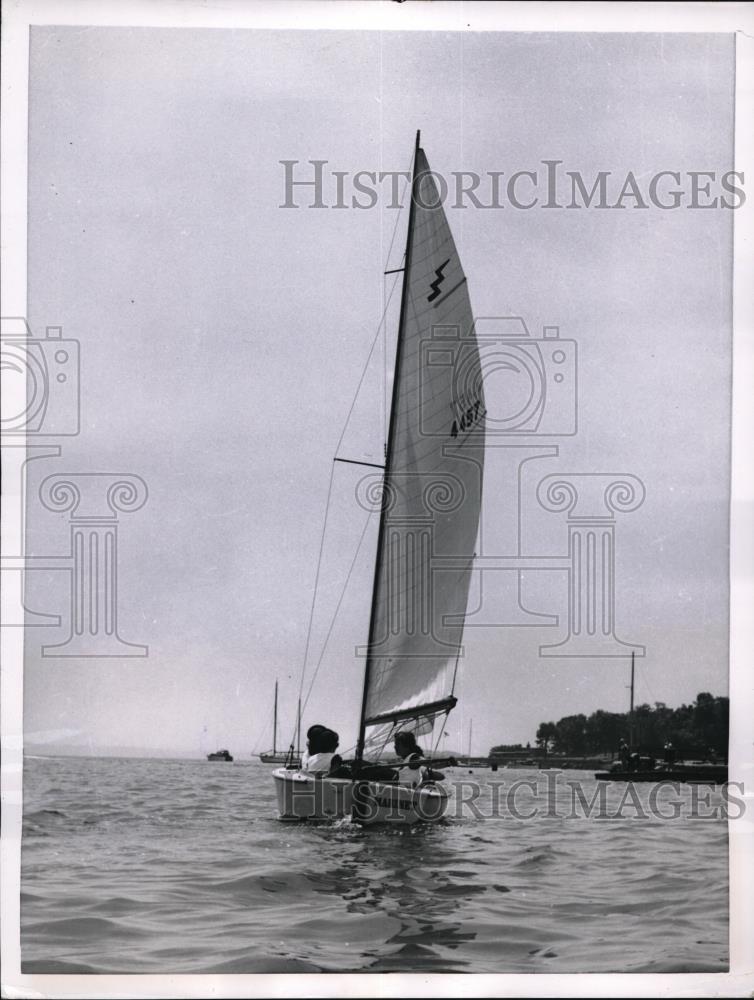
388,736
455,670
350,749
406,187
329,495
340,441
366,366
332,471
409,186
337,609
327,513
261,740
645,681
460,641
441,732
374,741
353,461
316,581
382,318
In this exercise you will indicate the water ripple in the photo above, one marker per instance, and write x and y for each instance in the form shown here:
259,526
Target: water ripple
180,866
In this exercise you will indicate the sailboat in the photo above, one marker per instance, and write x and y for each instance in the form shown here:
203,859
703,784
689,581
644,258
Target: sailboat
429,503
288,757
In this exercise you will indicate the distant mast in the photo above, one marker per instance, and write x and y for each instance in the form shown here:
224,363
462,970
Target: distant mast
631,712
275,721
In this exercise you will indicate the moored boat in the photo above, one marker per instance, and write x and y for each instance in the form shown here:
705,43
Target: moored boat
278,757
220,755
711,774
288,757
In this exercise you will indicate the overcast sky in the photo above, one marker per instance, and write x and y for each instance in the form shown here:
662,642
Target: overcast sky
223,339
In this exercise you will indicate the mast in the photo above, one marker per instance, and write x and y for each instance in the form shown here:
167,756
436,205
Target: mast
275,721
388,454
298,728
631,714
471,723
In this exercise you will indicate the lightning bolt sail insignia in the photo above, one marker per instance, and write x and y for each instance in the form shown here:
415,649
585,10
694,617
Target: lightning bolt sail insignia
439,278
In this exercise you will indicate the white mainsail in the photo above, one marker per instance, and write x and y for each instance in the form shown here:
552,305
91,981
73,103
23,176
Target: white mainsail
433,478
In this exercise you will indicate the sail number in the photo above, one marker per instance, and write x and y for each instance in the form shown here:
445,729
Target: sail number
467,419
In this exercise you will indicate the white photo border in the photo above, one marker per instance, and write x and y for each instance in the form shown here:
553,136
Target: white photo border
376,15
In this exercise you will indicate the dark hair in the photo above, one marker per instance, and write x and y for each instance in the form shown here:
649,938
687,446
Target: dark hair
322,740
408,740
329,741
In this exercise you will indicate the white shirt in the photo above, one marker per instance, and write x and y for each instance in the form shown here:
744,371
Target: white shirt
411,776
318,763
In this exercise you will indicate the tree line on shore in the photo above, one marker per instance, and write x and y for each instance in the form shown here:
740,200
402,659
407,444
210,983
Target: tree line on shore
695,730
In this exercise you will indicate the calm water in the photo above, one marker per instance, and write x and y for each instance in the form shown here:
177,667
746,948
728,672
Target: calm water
136,866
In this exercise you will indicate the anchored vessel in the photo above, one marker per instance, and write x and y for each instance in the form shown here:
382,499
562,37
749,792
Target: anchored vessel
290,757
704,774
430,498
220,755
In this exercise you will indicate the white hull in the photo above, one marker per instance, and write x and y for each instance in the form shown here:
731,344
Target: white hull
279,758
303,797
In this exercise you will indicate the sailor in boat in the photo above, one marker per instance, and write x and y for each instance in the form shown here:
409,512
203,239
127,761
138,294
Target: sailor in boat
408,750
317,759
321,760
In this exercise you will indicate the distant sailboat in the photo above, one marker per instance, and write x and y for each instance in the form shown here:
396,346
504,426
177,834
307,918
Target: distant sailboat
288,757
429,517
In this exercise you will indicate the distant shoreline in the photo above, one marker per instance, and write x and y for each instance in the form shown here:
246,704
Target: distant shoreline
117,753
